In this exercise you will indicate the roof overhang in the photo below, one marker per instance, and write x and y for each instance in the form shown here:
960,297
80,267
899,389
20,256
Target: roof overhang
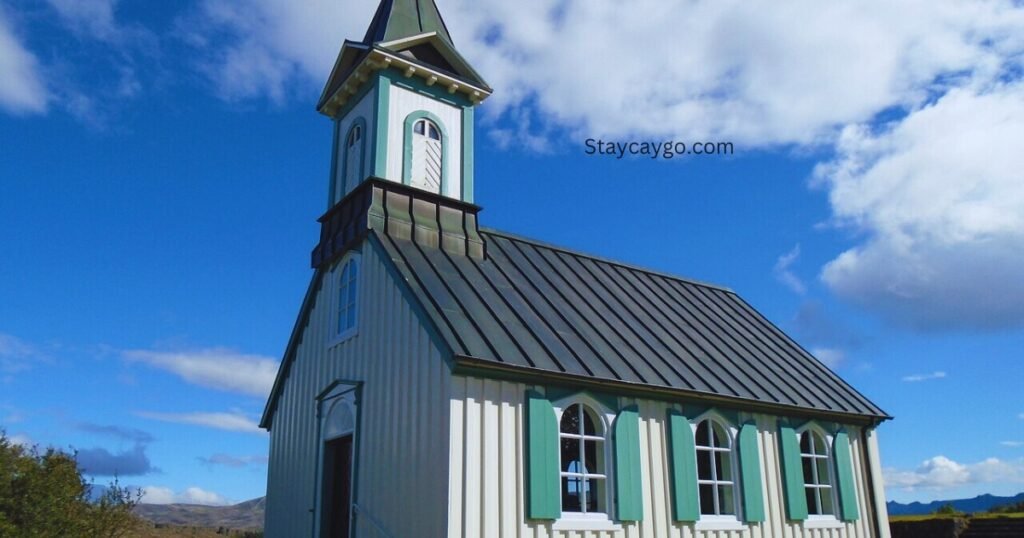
376,59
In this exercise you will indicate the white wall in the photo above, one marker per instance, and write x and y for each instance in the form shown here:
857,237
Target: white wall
402,450
486,475
404,102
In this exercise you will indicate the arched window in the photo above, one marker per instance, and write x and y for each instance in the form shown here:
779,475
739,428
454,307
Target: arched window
354,144
814,455
427,152
348,298
582,460
715,475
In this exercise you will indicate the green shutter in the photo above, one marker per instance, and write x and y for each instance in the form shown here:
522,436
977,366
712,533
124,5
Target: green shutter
628,485
750,474
844,476
542,500
683,468
792,474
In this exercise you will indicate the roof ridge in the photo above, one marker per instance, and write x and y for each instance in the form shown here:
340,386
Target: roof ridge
552,246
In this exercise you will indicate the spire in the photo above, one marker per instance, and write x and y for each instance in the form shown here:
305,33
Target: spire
397,19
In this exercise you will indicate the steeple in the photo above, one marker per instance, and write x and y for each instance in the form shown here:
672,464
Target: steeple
399,19
402,101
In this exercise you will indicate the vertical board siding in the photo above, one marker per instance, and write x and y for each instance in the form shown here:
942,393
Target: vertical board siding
402,440
487,487
403,102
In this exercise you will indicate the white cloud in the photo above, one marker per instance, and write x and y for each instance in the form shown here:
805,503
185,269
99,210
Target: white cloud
940,201
22,90
784,274
233,421
941,472
92,17
1012,444
192,495
228,460
915,378
831,357
17,355
215,368
22,440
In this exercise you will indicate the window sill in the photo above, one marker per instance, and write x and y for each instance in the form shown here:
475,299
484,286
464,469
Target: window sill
823,522
583,523
342,338
705,523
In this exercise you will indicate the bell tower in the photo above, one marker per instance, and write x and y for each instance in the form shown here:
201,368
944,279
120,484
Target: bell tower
402,103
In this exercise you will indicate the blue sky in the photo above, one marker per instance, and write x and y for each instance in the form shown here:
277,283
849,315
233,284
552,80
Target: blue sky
162,168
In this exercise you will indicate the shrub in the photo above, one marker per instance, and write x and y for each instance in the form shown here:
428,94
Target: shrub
43,494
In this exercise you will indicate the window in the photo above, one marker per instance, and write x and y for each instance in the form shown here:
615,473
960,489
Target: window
582,460
426,155
353,158
715,482
814,457
348,299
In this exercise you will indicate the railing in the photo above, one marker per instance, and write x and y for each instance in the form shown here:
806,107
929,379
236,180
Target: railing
372,520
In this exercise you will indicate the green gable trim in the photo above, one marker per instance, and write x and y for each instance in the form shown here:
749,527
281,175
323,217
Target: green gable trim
844,476
750,474
628,479
467,154
348,183
542,478
682,468
792,474
561,393
729,415
407,148
380,132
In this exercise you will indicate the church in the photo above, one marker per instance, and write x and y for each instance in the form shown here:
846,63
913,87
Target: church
444,379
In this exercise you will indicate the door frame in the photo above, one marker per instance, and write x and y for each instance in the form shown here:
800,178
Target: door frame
340,392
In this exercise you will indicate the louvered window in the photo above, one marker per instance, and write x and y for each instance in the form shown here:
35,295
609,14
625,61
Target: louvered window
427,154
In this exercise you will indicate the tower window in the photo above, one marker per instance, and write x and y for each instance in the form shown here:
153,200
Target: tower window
427,151
352,158
355,136
814,456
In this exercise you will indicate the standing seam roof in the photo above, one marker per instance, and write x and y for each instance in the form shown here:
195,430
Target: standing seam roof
537,306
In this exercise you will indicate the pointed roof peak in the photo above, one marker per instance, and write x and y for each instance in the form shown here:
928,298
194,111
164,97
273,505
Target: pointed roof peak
398,19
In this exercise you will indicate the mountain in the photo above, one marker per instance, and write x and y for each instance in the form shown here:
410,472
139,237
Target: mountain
246,515
981,503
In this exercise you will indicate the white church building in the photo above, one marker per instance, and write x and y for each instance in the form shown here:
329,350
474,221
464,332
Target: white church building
448,380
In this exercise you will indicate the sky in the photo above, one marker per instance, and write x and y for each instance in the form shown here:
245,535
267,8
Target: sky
162,168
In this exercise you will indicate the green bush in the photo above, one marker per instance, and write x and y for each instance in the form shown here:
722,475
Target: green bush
43,495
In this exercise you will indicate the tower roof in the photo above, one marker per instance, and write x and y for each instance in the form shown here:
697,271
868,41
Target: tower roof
398,19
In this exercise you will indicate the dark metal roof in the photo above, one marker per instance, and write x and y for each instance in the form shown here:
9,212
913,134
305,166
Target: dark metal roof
535,306
396,19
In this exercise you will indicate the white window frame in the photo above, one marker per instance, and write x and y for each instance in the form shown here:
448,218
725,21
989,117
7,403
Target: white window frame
819,520
338,336
724,522
584,521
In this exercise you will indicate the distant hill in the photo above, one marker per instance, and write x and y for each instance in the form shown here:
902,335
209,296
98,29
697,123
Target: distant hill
246,515
981,503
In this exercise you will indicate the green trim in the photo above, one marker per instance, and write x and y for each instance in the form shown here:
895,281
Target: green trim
361,171
353,101
418,85
628,475
407,148
561,393
730,416
381,114
467,154
792,474
844,476
750,469
682,468
542,477
334,165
